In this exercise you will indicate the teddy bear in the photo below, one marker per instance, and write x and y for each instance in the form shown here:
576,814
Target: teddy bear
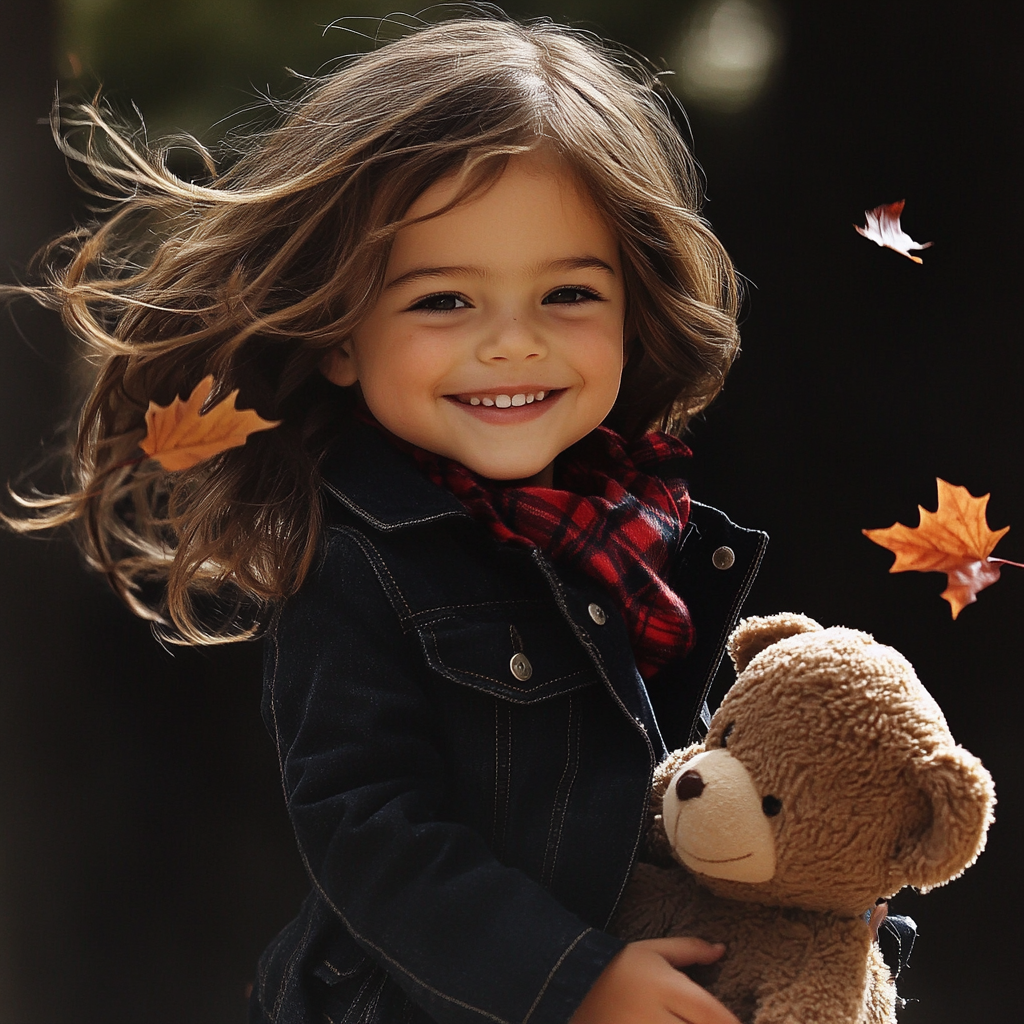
828,780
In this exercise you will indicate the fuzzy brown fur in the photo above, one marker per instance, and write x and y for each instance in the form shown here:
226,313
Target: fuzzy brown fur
874,794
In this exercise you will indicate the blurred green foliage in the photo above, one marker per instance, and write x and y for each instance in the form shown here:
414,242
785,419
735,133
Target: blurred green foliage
187,64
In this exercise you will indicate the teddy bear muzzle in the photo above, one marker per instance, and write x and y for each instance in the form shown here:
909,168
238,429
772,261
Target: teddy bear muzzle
716,820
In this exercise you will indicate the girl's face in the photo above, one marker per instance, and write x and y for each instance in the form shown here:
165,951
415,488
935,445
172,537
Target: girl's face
497,339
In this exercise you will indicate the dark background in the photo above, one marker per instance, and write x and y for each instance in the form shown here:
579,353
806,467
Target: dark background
145,856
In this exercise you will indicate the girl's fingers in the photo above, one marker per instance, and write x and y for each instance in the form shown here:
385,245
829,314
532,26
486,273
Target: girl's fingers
687,1000
696,1005
683,951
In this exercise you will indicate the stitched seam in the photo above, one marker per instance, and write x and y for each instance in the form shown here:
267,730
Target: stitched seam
547,981
508,771
730,622
557,804
502,778
490,679
273,714
382,954
377,564
410,618
564,787
355,1002
261,984
479,604
380,524
426,612
284,790
371,1006
330,903
287,800
342,974
289,970
497,773
595,654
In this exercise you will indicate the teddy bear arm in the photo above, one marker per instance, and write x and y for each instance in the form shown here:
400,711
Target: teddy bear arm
837,984
656,903
880,1005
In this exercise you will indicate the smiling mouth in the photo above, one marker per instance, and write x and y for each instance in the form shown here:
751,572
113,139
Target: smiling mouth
512,399
507,408
709,860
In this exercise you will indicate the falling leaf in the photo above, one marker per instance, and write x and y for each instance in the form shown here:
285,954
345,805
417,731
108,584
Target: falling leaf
954,539
180,435
883,227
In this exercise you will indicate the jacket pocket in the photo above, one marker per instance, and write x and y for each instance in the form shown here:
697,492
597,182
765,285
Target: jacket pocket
523,658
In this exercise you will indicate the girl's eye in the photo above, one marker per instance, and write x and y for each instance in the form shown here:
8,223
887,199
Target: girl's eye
727,733
442,302
570,296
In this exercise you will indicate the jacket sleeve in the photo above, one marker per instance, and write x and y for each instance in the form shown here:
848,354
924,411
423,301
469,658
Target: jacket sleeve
467,938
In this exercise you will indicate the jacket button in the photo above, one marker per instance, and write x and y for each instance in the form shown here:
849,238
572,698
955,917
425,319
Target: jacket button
521,667
723,557
596,612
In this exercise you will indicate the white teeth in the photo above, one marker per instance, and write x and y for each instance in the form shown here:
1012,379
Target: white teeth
507,401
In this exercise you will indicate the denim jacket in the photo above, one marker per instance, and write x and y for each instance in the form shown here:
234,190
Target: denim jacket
466,749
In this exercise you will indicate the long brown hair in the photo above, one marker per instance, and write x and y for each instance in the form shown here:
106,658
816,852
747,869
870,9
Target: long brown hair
254,275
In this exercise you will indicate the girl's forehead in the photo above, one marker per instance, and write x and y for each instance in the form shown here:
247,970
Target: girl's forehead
536,210
537,168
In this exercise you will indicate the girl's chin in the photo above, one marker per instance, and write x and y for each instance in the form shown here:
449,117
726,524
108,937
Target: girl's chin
517,476
542,478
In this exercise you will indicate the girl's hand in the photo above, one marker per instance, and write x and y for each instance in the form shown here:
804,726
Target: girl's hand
642,986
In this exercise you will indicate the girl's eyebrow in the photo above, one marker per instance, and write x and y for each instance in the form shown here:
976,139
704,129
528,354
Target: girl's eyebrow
566,263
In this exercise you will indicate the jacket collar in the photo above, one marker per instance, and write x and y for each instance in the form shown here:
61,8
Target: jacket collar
380,484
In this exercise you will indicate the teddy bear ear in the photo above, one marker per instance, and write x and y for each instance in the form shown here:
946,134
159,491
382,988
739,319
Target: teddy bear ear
958,797
753,635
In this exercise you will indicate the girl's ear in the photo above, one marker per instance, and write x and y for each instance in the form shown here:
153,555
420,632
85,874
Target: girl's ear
338,366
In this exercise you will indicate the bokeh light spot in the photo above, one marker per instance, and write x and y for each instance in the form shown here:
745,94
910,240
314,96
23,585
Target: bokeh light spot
727,53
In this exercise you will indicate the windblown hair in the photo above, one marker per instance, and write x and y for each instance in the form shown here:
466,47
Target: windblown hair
254,275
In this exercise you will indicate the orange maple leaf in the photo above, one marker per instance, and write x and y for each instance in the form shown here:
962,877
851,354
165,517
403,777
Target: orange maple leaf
882,226
181,434
954,539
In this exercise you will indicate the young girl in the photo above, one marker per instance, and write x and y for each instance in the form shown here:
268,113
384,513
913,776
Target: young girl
466,274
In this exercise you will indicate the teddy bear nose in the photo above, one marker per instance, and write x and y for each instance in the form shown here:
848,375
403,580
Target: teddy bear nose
689,785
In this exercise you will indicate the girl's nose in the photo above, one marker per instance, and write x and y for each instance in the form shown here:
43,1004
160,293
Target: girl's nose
512,339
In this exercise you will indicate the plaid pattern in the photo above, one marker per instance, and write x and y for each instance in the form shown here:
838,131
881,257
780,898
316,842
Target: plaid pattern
618,520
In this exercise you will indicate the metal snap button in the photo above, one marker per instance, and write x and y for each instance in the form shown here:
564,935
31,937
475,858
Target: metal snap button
521,667
723,557
596,612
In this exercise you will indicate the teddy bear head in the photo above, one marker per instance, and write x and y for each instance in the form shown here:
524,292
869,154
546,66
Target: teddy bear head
828,777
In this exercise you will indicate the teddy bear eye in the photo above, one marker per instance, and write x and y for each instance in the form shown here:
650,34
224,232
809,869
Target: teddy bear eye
727,733
771,805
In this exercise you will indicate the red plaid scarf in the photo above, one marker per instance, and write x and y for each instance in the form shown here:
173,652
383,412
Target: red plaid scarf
618,520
